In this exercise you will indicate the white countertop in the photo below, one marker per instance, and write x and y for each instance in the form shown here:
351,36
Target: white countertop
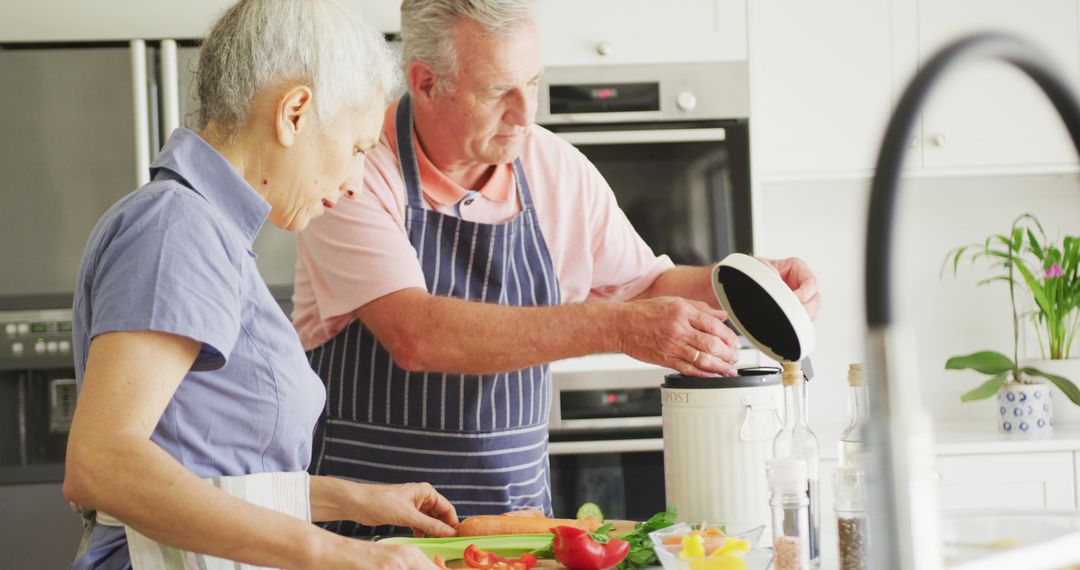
966,438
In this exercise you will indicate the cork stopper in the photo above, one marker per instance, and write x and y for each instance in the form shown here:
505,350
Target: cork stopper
856,375
792,373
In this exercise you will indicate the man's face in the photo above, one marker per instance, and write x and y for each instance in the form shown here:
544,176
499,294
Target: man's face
490,102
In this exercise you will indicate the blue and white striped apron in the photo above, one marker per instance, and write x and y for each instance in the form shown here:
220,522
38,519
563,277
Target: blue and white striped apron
481,440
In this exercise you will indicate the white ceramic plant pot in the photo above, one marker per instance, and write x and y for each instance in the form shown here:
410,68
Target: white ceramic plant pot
1025,409
1066,414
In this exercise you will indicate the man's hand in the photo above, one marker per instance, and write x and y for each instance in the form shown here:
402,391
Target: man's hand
802,281
415,505
678,333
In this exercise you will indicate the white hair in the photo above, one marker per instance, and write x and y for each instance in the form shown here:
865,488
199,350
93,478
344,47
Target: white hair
427,27
262,43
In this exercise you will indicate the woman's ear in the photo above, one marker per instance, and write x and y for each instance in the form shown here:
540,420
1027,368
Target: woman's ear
294,111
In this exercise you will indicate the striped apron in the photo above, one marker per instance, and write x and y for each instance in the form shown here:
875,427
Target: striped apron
481,440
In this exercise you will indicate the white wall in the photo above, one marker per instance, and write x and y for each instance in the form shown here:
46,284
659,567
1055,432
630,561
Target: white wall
824,222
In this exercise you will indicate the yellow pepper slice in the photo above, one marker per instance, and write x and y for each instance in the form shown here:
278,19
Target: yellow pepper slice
732,546
727,562
693,546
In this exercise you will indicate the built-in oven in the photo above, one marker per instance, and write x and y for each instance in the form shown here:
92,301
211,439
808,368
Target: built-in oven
606,440
672,142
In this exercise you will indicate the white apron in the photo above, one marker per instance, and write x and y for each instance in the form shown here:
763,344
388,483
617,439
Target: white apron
288,493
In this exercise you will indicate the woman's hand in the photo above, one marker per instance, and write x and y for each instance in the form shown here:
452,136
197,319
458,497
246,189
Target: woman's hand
415,505
341,553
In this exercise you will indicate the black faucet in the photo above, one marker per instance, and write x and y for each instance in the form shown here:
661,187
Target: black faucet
904,514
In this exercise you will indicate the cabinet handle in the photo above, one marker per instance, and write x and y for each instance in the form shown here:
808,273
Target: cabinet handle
604,48
938,140
605,446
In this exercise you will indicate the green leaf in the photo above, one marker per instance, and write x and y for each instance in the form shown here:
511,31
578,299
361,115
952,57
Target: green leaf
1063,384
987,362
1035,248
1017,239
988,388
641,550
602,535
1036,289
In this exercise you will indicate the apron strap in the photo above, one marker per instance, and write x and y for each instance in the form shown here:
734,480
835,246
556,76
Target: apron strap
406,153
522,184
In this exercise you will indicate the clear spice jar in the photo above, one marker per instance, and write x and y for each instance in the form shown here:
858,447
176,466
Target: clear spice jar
790,513
849,503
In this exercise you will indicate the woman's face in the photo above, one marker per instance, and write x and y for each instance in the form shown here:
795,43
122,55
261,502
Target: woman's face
326,162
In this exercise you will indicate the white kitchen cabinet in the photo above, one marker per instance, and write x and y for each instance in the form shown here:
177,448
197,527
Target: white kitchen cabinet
990,115
826,75
601,32
104,20
1043,480
821,80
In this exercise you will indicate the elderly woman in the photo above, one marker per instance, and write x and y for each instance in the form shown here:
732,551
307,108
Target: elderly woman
197,404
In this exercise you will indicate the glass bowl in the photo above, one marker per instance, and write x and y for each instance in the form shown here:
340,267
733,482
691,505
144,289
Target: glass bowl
755,559
1011,539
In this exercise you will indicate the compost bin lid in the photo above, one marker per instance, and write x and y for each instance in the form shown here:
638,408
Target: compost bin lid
763,308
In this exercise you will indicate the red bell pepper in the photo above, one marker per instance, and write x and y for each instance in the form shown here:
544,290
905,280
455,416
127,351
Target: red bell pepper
579,549
476,558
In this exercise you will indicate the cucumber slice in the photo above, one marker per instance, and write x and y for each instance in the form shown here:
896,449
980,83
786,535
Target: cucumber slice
590,511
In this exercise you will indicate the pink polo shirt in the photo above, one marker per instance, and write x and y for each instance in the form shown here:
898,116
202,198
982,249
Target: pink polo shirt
359,251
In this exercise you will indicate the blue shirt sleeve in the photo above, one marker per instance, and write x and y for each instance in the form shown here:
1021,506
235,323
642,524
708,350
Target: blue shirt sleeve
169,266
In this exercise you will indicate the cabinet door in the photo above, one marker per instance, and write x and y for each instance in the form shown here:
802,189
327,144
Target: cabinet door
989,114
1007,481
591,32
821,84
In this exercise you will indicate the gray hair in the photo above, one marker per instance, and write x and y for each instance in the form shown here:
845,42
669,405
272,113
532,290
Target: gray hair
427,27
262,43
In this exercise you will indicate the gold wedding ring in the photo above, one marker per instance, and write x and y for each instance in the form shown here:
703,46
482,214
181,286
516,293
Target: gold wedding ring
697,354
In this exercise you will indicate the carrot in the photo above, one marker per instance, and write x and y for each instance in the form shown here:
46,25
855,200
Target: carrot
530,513
488,525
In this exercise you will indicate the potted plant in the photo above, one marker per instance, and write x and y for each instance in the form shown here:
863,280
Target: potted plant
1047,276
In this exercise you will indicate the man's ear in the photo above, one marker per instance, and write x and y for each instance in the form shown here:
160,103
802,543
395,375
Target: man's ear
295,110
423,82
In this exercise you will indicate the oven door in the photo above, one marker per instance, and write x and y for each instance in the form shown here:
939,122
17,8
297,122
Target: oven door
684,186
621,470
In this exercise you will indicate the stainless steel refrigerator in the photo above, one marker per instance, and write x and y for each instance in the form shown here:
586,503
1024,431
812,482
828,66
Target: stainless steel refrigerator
80,123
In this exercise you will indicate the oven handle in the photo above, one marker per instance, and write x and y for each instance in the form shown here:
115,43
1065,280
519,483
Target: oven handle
645,136
605,446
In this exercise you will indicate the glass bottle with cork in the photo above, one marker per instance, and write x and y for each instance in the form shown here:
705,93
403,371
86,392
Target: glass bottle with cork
851,441
796,440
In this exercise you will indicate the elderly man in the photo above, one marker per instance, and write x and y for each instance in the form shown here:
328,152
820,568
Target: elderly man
480,247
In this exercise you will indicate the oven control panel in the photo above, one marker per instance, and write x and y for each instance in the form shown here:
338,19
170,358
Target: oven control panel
35,335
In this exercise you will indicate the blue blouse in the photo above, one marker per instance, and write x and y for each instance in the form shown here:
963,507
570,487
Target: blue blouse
176,256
